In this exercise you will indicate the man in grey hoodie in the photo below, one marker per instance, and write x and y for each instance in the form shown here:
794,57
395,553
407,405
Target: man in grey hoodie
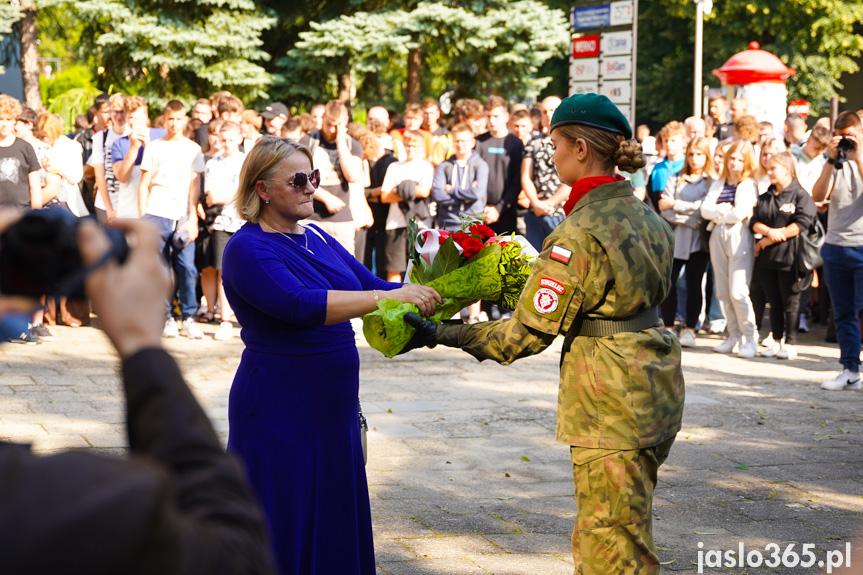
461,181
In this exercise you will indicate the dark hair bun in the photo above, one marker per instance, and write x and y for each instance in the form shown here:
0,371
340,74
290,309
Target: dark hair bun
628,157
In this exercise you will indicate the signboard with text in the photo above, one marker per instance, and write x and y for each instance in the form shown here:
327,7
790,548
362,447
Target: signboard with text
585,46
604,51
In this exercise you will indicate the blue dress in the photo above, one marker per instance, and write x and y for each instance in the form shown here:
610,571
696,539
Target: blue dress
293,403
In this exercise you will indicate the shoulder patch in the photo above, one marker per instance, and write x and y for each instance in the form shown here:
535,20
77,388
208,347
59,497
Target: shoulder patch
551,284
545,301
560,254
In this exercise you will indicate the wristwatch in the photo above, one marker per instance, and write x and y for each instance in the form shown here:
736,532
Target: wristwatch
832,161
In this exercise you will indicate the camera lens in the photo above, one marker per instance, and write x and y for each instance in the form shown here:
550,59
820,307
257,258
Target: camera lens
845,145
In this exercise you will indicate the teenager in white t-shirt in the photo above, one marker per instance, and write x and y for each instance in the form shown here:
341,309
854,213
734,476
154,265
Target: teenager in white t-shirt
107,186
220,187
419,171
168,196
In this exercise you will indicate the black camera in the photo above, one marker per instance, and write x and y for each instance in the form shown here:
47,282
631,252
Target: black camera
39,255
845,145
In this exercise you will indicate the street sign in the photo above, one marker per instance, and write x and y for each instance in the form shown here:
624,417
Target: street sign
583,88
616,68
604,57
585,46
620,13
618,91
584,69
616,43
591,17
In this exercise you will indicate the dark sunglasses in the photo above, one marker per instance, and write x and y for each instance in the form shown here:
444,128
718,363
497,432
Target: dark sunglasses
300,180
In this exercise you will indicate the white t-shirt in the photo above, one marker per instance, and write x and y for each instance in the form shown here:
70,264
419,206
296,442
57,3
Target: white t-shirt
99,156
223,176
419,171
68,156
172,165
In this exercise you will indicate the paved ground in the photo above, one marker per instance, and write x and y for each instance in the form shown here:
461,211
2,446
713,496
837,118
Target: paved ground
464,472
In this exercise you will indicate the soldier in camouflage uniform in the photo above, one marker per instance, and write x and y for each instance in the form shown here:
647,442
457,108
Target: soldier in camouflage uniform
598,281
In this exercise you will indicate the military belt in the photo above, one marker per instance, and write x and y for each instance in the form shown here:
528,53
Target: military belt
640,321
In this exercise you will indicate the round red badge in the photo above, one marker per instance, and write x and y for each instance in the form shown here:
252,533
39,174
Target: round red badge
545,301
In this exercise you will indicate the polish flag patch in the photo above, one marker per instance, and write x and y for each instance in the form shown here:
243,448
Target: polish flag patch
560,254
553,285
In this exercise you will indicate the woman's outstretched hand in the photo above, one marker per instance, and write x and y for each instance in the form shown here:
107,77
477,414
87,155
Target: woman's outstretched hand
426,331
423,297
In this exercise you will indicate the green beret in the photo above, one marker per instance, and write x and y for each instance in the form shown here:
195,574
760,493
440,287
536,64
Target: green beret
591,110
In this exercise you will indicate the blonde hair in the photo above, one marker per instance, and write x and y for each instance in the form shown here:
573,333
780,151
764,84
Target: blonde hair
118,100
260,165
778,145
134,103
786,159
674,128
745,148
335,110
413,137
701,144
50,127
611,148
9,107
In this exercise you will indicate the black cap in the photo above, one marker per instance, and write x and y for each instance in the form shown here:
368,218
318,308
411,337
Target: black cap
275,109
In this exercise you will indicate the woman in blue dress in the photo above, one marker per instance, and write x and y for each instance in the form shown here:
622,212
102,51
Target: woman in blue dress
293,404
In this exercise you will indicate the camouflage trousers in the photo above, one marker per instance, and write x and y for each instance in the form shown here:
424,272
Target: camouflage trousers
614,491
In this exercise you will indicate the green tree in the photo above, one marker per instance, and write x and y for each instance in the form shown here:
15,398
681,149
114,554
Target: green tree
10,13
474,48
818,38
179,48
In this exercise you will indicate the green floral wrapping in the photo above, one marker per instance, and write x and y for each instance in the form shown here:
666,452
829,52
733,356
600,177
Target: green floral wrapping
480,278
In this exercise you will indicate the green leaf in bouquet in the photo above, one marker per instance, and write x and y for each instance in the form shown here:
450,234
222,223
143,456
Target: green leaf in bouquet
384,328
447,259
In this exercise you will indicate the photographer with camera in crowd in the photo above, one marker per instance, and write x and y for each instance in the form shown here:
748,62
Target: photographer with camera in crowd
179,504
840,185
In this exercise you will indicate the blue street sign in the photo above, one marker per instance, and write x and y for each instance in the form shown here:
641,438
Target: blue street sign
591,17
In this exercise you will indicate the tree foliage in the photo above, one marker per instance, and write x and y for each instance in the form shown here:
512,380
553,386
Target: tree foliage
818,38
9,14
471,48
180,48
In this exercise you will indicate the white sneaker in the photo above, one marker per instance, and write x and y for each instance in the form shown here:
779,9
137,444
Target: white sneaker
768,340
687,338
748,348
730,345
787,352
225,331
804,324
770,351
717,326
191,329
846,380
171,329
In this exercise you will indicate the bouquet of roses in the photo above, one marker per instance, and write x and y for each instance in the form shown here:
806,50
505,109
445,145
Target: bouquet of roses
464,266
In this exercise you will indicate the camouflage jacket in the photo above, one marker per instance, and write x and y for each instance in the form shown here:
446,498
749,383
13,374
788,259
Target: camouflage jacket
610,258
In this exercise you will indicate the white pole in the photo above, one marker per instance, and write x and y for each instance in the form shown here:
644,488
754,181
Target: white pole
699,33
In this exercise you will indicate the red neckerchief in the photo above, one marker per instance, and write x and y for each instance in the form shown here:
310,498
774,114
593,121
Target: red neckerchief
584,185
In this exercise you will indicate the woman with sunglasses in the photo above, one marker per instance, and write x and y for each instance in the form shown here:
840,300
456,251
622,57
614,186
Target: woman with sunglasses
293,403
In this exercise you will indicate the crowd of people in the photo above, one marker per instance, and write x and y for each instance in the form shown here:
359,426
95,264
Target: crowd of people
307,217
708,178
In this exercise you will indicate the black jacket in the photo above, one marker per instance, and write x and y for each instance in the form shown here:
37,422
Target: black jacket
793,205
179,505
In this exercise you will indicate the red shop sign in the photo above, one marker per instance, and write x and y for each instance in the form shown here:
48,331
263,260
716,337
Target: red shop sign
585,46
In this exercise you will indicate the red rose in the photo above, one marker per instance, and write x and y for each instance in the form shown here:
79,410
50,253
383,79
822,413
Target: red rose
443,235
459,238
471,246
483,231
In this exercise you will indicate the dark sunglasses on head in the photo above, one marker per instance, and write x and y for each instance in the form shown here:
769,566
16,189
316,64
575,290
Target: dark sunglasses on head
300,180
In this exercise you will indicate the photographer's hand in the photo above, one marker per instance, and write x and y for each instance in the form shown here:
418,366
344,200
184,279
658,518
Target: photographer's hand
129,299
